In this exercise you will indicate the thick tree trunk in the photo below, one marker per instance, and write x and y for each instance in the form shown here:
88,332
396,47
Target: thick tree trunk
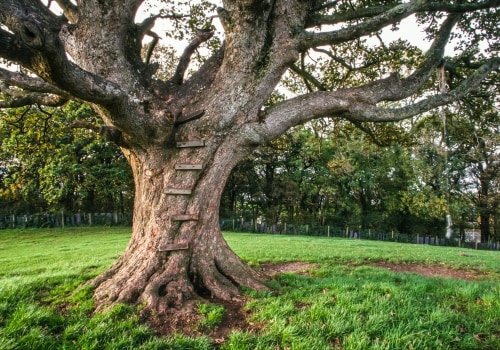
484,207
484,224
177,253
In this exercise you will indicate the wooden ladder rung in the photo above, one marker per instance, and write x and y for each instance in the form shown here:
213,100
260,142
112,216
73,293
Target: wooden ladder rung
188,166
194,143
171,190
184,217
173,246
186,118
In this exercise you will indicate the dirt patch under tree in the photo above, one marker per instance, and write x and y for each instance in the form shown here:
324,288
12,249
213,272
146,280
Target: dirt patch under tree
236,316
433,271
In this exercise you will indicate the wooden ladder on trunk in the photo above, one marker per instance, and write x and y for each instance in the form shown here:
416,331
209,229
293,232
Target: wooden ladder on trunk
183,192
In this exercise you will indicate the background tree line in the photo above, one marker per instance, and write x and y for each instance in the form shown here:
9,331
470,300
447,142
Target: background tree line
403,176
49,166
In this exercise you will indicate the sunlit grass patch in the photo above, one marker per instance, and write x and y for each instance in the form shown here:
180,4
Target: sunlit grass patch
342,300
211,315
365,307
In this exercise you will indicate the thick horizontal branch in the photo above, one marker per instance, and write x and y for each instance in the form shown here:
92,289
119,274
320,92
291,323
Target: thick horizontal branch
298,110
353,104
34,99
27,83
384,18
366,12
465,87
282,116
28,91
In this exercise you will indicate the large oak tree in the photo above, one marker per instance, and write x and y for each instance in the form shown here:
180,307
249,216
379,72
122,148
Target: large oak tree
183,135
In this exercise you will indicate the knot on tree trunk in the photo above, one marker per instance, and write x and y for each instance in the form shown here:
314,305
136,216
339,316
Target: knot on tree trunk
31,34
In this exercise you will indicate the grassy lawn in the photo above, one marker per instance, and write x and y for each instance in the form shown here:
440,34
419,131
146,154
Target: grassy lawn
343,301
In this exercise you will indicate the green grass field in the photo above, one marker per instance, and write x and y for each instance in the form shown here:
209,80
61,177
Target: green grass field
343,302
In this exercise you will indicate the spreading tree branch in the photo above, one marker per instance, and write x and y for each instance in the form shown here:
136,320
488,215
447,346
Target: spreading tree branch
69,9
468,85
382,19
351,105
15,50
185,59
360,103
152,46
35,45
365,12
109,133
308,78
343,62
417,79
27,83
144,28
32,99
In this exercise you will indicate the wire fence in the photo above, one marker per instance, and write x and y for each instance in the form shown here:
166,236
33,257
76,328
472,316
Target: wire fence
238,225
63,219
471,239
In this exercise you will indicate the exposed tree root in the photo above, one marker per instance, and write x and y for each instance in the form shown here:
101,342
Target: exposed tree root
176,281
